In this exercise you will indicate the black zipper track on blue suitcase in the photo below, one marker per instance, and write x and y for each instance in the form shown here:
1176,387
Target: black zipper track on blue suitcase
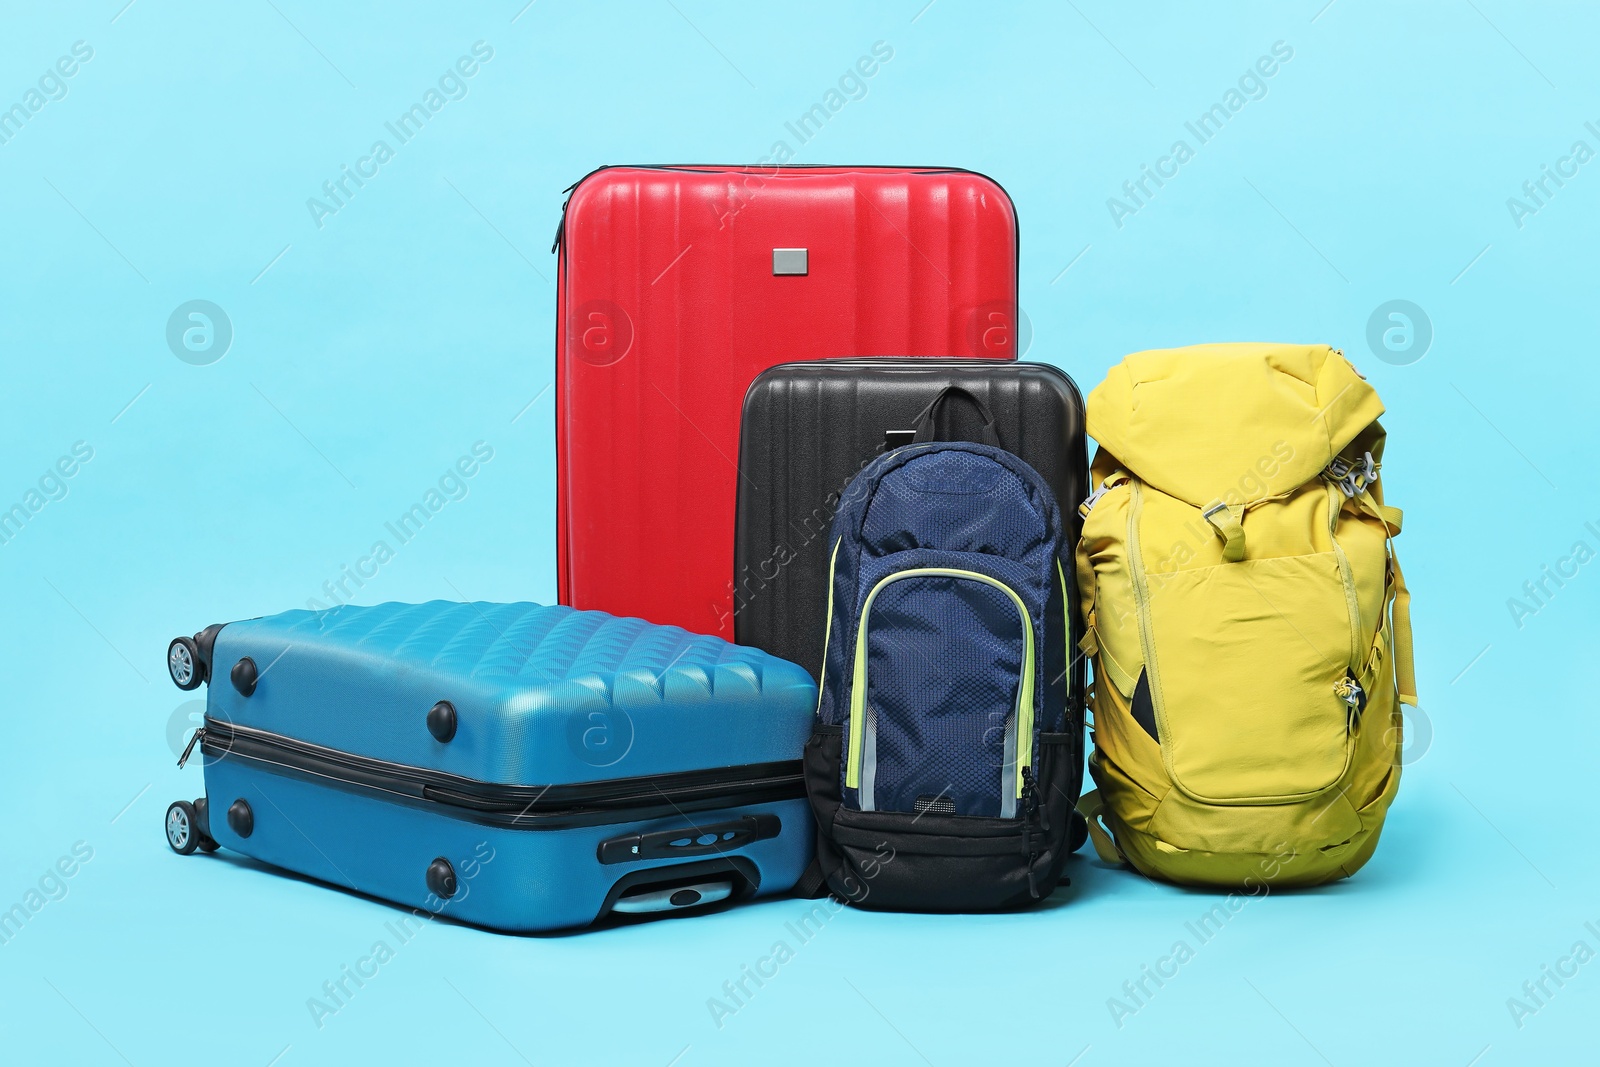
554,807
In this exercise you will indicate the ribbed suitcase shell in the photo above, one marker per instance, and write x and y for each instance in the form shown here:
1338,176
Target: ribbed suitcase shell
809,428
543,697
668,306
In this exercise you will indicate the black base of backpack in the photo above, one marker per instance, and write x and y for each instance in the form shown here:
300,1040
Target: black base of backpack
927,862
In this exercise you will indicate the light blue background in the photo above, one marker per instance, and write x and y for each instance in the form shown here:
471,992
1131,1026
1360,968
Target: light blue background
377,349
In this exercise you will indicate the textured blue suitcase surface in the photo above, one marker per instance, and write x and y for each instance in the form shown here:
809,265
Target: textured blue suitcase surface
517,766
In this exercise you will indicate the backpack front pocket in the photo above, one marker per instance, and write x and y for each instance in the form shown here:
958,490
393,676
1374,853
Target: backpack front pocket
1250,678
942,695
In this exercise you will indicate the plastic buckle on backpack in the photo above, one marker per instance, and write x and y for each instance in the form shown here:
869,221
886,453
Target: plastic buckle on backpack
1092,499
1352,478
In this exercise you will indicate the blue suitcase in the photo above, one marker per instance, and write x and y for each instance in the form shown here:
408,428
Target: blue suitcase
515,766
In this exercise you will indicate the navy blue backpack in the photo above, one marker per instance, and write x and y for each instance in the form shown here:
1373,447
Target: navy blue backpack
946,760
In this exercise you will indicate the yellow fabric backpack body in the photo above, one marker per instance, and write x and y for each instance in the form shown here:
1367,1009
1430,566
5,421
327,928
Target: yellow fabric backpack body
1246,616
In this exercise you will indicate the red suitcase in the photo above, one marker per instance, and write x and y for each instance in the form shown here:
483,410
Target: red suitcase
678,285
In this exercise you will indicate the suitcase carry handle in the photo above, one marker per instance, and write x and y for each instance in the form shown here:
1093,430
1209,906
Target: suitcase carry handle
690,840
672,898
926,429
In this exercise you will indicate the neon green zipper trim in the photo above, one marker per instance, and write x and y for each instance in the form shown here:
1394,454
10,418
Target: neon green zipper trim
827,629
1066,616
858,682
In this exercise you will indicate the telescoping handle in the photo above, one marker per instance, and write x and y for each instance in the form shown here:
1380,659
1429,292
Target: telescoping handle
690,840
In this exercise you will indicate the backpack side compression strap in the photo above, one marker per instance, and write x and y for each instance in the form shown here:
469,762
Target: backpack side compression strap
1404,665
1405,670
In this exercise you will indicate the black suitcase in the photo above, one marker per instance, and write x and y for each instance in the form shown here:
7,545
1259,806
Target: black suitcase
808,428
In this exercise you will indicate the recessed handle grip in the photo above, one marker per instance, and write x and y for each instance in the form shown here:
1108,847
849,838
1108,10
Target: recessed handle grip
673,898
690,840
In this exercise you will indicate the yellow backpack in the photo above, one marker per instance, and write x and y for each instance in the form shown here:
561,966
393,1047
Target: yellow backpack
1246,617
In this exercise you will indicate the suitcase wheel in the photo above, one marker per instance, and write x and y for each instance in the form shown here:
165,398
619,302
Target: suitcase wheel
186,828
183,833
202,815
183,663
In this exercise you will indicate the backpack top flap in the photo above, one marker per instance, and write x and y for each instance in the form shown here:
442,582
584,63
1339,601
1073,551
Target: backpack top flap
912,498
937,498
1192,421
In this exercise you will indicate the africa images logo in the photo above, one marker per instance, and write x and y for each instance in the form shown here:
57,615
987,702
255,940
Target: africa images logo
1399,332
199,332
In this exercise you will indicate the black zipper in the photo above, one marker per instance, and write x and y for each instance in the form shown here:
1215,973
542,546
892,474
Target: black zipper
528,807
713,168
1032,817
561,227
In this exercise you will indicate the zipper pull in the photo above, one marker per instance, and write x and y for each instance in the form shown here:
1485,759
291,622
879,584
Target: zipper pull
1032,809
1349,691
194,739
1030,816
561,227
